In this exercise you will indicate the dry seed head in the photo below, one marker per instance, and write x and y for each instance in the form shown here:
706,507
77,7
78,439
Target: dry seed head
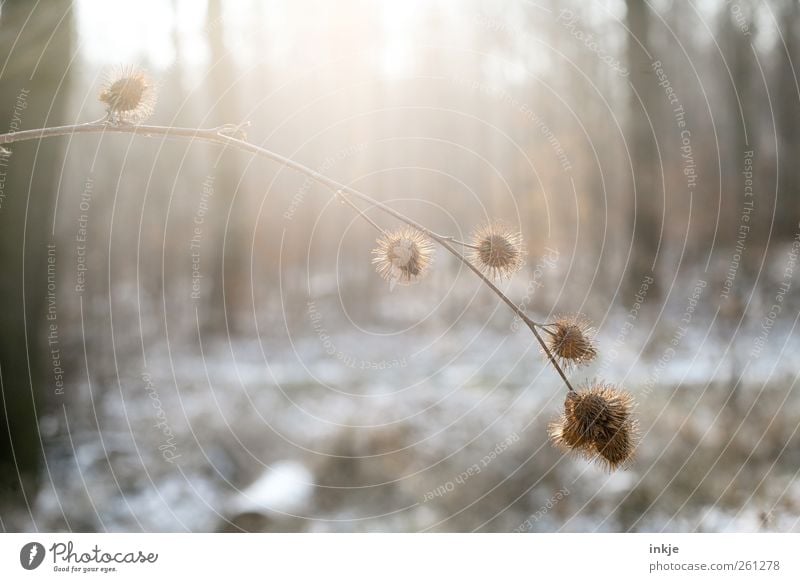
571,341
403,256
498,250
619,449
129,96
566,436
597,423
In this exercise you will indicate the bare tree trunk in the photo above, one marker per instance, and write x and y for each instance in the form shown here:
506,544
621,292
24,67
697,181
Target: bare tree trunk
788,112
646,192
36,41
229,271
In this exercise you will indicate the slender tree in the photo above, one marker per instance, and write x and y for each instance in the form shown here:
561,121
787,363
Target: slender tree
36,41
645,186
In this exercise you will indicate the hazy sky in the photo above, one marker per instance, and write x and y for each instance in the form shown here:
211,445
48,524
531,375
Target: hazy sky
112,33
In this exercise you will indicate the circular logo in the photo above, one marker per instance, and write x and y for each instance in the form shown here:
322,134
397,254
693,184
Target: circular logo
31,555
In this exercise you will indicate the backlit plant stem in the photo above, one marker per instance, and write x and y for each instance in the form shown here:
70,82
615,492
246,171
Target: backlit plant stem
228,135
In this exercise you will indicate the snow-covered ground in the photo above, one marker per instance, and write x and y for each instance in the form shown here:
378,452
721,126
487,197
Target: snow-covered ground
442,429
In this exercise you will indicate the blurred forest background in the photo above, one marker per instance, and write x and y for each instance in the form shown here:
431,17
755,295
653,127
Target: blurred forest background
195,339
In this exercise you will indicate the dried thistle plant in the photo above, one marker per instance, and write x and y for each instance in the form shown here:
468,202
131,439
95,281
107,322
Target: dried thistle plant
129,96
571,340
403,256
497,250
597,421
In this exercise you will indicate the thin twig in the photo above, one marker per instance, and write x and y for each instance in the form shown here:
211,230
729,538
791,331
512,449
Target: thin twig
551,357
462,243
343,197
222,135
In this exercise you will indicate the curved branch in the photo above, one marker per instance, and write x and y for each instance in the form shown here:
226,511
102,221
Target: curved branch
229,135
